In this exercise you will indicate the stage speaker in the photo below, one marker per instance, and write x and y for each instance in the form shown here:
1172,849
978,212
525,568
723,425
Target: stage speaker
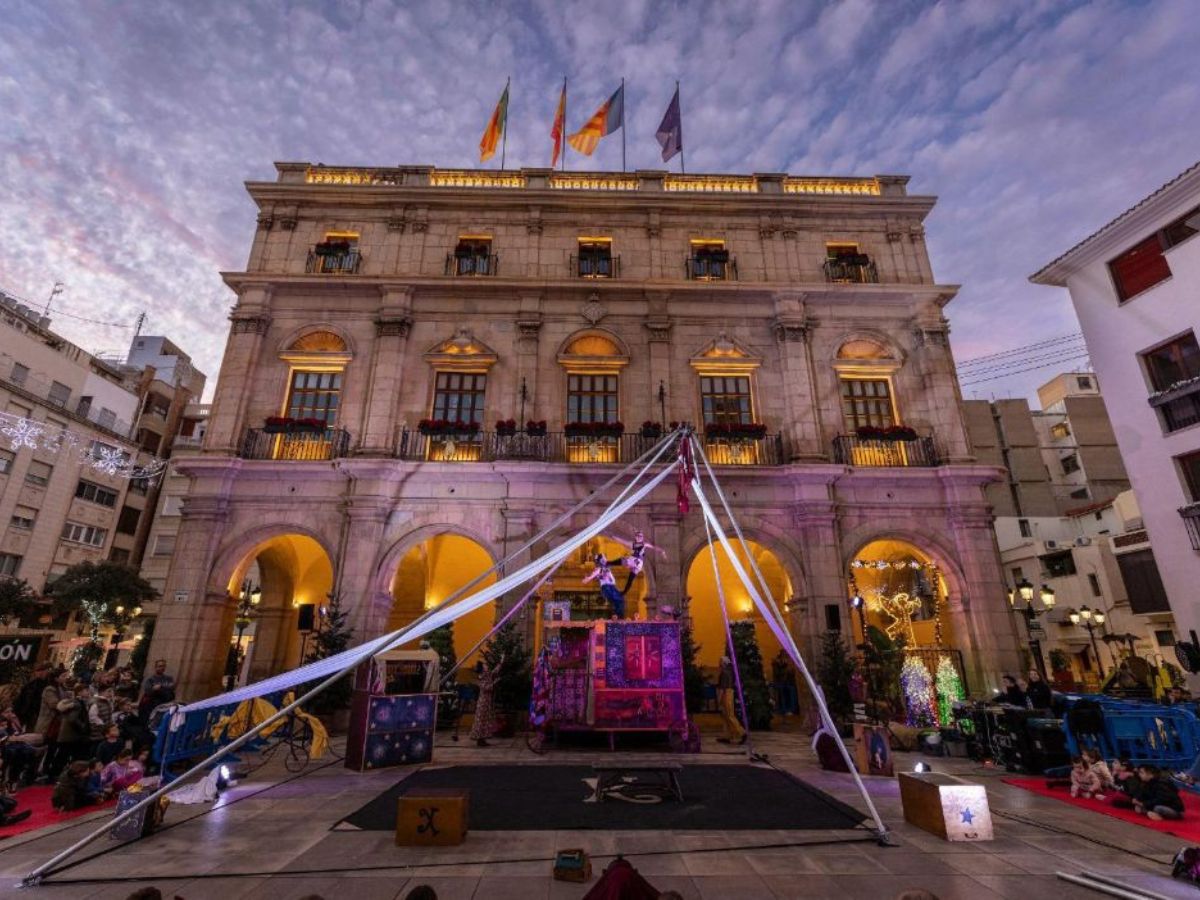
305,621
833,617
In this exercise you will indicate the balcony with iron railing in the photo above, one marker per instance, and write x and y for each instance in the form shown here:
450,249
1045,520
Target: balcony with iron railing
711,268
1178,403
851,270
472,265
1191,521
595,266
561,447
314,445
909,452
345,262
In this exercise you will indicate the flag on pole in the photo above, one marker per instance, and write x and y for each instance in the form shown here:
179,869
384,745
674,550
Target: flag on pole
559,126
495,127
607,119
670,130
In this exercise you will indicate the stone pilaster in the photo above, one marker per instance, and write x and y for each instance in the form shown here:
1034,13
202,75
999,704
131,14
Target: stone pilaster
940,394
802,422
392,325
825,577
247,334
670,577
529,327
658,331
364,520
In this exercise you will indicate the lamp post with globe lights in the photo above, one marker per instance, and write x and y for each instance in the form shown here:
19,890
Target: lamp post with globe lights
1090,619
1025,591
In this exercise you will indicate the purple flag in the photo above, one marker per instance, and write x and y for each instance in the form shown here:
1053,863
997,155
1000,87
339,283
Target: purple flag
670,131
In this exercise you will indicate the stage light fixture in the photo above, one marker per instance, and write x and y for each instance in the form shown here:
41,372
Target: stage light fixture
922,767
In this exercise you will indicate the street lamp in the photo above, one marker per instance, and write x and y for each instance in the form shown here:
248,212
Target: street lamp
1090,619
1025,590
248,599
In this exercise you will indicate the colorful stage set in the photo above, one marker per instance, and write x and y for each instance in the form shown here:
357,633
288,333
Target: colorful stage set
603,675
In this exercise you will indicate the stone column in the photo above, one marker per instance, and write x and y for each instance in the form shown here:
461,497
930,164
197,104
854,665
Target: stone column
670,576
192,631
250,322
658,327
392,324
802,429
825,577
367,602
529,326
518,525
940,393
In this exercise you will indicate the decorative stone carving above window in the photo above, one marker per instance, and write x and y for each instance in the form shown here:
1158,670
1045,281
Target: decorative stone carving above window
319,347
724,355
593,351
250,324
463,352
593,310
319,341
397,326
866,355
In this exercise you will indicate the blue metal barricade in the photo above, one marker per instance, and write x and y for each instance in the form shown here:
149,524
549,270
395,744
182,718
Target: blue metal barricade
1164,736
190,737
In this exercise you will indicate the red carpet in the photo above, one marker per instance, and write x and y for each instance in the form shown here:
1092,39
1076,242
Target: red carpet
1188,827
37,798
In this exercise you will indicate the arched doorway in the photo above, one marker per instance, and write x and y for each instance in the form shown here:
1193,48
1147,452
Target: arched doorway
292,575
435,570
708,627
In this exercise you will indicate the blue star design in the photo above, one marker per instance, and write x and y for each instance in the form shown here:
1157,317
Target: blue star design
968,817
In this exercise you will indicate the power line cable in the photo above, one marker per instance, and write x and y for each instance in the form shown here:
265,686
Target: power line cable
1053,362
977,360
1054,353
60,312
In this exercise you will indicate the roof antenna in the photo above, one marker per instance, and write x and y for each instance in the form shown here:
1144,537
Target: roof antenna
137,325
54,292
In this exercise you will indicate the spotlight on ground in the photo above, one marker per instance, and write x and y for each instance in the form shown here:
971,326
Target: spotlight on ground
922,767
224,776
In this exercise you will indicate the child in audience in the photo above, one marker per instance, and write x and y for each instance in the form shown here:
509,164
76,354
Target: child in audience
1084,782
122,772
71,789
1126,785
1159,798
1099,768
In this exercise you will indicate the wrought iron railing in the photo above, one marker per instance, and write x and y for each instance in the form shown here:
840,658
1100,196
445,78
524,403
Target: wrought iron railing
333,263
595,266
708,268
473,264
332,443
839,271
1191,521
559,447
849,450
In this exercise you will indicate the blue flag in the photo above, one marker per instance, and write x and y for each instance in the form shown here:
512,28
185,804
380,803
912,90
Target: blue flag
670,131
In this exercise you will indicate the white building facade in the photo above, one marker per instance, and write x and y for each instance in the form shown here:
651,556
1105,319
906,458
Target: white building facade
1134,285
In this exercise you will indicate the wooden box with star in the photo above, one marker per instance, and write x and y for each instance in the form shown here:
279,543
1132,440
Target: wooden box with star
946,806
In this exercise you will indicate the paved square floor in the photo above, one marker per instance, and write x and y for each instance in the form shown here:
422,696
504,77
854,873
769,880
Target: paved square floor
276,841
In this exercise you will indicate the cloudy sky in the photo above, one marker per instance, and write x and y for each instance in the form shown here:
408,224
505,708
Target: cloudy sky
128,127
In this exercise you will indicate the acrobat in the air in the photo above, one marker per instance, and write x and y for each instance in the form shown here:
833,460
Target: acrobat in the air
635,560
608,585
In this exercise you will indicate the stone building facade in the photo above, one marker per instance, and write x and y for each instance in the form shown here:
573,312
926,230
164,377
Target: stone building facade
386,303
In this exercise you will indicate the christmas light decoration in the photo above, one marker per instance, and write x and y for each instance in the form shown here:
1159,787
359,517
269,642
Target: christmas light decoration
91,452
949,687
919,699
901,608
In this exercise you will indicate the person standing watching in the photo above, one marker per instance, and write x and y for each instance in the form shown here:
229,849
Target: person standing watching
157,689
1038,691
734,732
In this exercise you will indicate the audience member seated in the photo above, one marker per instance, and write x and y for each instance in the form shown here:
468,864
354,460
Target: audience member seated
20,750
1127,787
112,744
1098,767
1159,798
122,772
72,789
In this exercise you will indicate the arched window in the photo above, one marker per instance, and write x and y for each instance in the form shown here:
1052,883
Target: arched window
318,362
865,366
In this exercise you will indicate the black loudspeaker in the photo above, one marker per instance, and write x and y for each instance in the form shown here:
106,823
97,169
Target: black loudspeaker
833,617
304,622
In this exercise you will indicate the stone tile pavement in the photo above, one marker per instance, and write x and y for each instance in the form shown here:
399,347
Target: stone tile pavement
275,842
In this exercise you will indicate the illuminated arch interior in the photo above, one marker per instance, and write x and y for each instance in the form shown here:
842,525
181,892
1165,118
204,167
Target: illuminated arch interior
431,572
318,342
292,570
704,605
863,348
908,571
592,345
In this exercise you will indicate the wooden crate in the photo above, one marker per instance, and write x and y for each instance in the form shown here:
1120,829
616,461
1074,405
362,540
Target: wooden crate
949,807
432,817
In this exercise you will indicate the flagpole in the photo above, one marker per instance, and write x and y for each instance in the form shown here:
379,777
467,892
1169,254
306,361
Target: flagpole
682,167
504,134
562,163
623,128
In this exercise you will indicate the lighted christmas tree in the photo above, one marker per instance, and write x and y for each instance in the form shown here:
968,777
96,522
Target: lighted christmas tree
917,684
949,688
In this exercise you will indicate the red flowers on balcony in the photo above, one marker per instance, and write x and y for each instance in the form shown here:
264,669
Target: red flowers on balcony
651,429
737,431
506,427
891,433
594,429
536,429
290,425
446,427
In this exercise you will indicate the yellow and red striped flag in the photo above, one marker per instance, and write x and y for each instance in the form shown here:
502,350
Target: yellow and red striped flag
495,128
559,126
607,119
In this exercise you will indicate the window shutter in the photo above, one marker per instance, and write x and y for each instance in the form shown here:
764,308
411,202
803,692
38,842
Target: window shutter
1139,268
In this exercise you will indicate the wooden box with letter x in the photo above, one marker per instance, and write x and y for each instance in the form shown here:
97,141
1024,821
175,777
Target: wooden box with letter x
432,817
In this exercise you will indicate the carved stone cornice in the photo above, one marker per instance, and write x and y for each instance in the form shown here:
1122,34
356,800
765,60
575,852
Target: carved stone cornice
287,218
393,326
397,224
528,327
894,237
790,234
659,328
205,509
420,227
916,234
250,323
265,220
931,334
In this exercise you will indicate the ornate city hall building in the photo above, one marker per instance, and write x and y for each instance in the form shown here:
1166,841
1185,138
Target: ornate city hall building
426,366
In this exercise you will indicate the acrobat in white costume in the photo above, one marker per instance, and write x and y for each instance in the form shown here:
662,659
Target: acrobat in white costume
635,560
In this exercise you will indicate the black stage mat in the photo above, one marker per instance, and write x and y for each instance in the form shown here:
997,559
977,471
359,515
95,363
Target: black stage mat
553,798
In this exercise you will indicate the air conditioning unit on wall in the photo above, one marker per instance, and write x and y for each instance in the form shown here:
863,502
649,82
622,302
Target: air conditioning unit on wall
1051,545
1083,541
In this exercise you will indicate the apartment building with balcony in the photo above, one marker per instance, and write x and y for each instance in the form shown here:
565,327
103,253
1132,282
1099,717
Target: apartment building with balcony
425,366
1067,520
1133,285
56,508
